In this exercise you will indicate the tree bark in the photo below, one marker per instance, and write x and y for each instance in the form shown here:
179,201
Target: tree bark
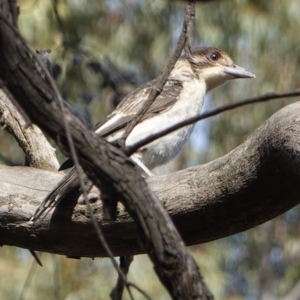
252,184
38,151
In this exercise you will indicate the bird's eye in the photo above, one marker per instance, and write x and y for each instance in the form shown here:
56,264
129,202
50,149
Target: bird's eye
214,56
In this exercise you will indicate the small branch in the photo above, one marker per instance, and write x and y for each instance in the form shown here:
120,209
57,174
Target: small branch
142,292
190,24
38,151
270,96
186,30
117,292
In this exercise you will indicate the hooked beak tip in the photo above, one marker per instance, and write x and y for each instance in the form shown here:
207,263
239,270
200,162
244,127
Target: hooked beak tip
238,72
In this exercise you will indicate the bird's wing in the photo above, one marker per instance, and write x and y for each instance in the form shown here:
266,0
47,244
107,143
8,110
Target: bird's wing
132,104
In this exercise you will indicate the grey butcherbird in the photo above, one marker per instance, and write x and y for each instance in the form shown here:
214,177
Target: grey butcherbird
181,98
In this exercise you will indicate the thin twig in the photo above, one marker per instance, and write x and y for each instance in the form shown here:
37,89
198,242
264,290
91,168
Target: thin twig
189,15
117,291
140,290
270,96
190,24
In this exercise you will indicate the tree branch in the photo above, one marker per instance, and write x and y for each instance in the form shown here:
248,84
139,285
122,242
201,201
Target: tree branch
38,152
252,184
189,26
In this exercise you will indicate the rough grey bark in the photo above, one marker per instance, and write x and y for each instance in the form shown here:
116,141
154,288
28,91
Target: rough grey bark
38,151
255,182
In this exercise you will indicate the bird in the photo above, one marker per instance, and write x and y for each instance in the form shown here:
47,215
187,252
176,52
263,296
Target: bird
193,76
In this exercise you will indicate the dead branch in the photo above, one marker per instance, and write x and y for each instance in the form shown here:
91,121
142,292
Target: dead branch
252,184
38,152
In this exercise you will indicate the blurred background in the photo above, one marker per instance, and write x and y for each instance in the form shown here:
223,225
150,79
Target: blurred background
101,50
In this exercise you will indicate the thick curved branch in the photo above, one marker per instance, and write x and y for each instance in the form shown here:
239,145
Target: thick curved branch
252,184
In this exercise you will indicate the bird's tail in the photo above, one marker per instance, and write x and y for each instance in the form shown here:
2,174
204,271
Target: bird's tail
68,183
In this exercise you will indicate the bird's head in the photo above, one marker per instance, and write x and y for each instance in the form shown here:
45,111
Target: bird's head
215,66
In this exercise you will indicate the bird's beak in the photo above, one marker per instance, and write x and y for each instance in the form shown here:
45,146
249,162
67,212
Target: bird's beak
238,72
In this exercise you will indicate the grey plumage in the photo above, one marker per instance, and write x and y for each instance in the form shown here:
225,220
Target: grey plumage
130,108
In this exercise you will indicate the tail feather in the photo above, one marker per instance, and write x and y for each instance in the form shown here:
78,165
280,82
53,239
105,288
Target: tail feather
58,193
69,184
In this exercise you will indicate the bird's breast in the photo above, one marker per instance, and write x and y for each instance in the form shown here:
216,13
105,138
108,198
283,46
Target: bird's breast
164,149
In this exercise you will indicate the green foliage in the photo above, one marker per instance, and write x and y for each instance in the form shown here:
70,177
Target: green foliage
103,49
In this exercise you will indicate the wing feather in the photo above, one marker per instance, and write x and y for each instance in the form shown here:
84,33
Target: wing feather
132,104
